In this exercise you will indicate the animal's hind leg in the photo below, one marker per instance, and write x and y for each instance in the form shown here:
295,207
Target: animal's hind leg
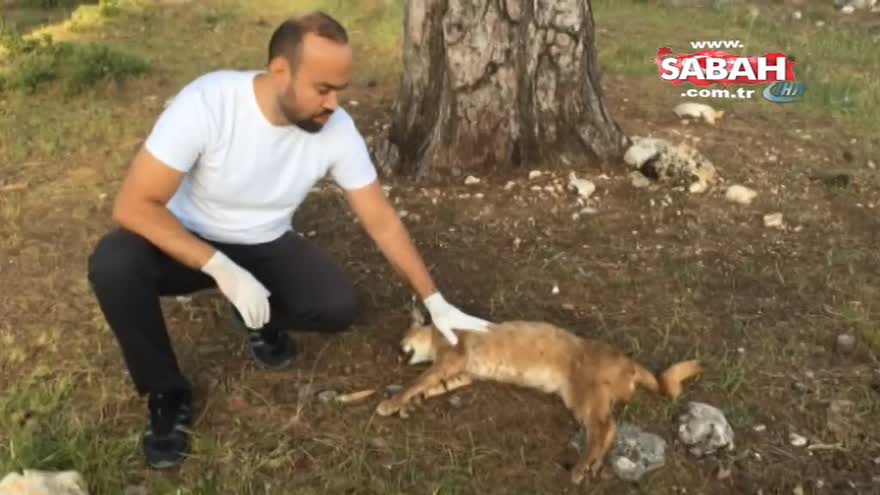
447,366
600,428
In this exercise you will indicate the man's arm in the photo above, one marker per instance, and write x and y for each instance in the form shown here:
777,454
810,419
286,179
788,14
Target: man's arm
140,208
383,225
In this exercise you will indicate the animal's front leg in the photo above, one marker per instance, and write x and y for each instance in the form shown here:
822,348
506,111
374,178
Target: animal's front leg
447,366
449,385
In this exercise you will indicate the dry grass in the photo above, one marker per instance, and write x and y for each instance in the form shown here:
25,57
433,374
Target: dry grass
700,277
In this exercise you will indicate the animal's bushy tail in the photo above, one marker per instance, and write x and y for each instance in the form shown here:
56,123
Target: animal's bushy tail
668,383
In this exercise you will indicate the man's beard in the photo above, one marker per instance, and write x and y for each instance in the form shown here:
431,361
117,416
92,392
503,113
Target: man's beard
309,124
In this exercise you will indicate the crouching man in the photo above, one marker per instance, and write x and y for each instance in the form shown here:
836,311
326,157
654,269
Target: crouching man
208,203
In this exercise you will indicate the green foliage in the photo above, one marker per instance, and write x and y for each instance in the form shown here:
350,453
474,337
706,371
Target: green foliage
34,62
39,433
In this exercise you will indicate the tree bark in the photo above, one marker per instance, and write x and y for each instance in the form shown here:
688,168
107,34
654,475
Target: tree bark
498,83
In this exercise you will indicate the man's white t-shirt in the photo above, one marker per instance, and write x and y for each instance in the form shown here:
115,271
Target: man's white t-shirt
245,177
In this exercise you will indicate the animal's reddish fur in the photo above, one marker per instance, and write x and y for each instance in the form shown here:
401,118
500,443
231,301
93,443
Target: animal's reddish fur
588,375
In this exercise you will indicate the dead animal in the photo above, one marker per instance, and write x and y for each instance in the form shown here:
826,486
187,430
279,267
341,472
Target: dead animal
588,375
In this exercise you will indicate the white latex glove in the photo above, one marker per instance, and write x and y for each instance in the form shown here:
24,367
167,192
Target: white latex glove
447,318
249,296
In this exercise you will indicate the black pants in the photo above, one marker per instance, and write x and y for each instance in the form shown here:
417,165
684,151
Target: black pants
128,274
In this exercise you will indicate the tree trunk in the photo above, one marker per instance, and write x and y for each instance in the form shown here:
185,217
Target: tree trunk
495,83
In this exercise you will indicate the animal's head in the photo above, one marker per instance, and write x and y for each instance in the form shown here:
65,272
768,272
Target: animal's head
419,344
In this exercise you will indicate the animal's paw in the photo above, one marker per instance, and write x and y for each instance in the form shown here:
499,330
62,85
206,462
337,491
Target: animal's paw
578,475
387,407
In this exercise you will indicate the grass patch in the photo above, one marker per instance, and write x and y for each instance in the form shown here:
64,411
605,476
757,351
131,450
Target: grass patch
31,63
42,432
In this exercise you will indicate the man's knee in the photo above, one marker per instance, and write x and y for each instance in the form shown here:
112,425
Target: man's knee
338,312
116,258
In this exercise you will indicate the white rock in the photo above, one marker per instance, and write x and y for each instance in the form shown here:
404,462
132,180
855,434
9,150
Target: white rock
699,111
534,174
740,194
872,165
797,440
638,180
773,220
705,430
847,9
555,289
797,15
584,187
38,482
471,180
509,185
698,187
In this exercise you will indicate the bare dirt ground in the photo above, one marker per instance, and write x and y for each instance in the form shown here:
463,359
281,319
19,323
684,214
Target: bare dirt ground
662,274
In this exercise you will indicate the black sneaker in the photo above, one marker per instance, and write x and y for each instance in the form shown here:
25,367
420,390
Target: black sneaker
166,440
271,349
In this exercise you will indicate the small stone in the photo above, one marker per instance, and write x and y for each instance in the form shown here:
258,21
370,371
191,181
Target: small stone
797,15
872,165
797,440
773,220
509,185
555,289
705,430
760,428
638,180
845,343
740,194
568,307
327,395
471,180
847,9
798,490
589,211
534,174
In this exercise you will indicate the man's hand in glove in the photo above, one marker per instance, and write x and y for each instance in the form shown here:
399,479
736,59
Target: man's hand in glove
448,318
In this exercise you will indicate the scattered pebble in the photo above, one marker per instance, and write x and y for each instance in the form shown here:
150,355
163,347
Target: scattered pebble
797,440
872,165
471,180
797,15
509,185
327,395
584,187
638,180
698,111
705,430
760,428
740,194
555,289
845,343
534,174
773,220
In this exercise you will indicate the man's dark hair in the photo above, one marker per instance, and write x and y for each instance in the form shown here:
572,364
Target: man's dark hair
287,39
